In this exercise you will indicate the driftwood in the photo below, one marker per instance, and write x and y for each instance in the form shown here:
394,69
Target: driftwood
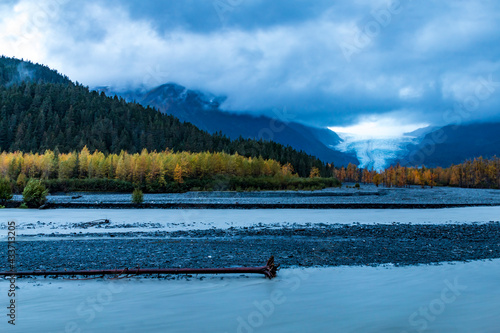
270,271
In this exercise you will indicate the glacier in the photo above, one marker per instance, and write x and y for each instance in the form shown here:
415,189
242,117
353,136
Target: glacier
377,153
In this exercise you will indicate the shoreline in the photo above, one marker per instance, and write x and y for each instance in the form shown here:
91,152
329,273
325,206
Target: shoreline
367,197
263,205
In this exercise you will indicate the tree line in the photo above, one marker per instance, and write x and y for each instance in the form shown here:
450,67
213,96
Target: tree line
164,171
474,173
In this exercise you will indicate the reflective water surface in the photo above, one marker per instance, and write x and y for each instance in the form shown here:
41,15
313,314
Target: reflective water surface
460,297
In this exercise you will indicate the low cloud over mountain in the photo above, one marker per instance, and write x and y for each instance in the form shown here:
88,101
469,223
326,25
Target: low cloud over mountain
328,63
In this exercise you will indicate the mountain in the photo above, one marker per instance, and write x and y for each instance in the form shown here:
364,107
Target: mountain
203,110
421,132
454,144
36,115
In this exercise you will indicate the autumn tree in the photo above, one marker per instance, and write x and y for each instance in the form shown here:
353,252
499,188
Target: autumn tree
314,173
287,170
83,163
178,174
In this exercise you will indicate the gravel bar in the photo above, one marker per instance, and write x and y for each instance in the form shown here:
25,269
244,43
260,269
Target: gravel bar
398,244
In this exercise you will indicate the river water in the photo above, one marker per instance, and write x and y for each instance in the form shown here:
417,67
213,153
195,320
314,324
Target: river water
67,221
453,297
463,297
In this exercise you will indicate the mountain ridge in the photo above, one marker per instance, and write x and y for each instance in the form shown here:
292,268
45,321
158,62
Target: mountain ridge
203,110
453,144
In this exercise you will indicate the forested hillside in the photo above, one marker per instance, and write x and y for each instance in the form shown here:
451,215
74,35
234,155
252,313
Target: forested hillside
15,71
62,116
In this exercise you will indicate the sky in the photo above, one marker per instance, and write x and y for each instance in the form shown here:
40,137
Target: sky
352,65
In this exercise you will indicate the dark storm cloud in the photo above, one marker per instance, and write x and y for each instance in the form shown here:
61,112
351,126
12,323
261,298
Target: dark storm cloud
328,63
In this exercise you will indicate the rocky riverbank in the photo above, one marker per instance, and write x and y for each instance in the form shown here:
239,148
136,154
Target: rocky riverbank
397,244
368,196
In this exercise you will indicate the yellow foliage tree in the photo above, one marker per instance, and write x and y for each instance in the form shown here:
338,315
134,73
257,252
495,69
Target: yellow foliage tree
314,173
178,174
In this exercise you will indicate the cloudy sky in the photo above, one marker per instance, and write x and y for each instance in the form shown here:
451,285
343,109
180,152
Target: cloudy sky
399,64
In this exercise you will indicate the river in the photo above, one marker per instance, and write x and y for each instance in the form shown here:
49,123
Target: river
463,297
68,221
452,297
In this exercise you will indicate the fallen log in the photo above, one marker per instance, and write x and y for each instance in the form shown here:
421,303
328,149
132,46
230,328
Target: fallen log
270,271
